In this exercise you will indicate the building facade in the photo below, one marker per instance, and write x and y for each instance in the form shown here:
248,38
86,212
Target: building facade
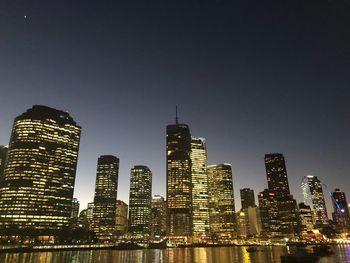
268,208
247,198
36,192
200,210
179,183
3,154
276,174
121,219
341,215
105,197
314,197
158,216
306,222
221,202
140,201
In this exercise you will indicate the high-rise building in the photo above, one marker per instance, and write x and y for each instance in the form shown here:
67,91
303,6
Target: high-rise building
200,210
341,211
276,173
254,220
313,197
306,223
221,202
74,220
140,201
90,214
158,216
277,182
268,208
3,154
121,220
179,184
105,196
247,198
75,208
37,190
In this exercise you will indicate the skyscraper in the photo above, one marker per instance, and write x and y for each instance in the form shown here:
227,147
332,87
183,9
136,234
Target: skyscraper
305,216
179,185
276,173
140,201
200,210
313,196
341,211
221,202
277,182
247,198
121,220
75,208
39,176
158,216
3,154
105,196
268,208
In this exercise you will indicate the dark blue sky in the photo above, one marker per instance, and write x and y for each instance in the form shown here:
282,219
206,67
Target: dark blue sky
252,77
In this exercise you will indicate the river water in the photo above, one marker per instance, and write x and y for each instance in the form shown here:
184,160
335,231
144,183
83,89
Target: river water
171,255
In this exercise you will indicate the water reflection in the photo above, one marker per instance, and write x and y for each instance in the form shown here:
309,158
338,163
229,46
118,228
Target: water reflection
174,255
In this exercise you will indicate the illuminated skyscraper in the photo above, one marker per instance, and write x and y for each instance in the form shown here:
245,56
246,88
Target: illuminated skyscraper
158,216
179,185
200,210
305,216
313,196
276,173
341,211
121,220
268,208
3,154
221,202
277,182
140,201
105,196
39,175
247,198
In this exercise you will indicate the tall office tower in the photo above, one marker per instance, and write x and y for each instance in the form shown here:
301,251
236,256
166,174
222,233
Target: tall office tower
221,202
3,154
305,216
200,210
121,220
90,214
276,173
288,216
158,216
268,208
341,211
75,208
39,175
313,196
140,201
179,185
247,198
105,196
74,220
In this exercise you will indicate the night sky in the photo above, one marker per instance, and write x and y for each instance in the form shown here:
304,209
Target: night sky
252,77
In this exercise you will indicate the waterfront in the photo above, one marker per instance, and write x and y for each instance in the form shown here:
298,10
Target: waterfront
173,255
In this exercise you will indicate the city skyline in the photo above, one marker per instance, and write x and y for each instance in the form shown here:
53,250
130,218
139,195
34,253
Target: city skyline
248,81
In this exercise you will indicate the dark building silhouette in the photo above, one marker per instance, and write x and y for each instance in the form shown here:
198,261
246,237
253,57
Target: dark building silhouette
341,215
179,185
140,201
40,169
247,198
3,154
276,173
105,196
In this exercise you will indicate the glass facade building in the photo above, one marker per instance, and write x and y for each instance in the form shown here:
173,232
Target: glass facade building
179,184
221,202
140,201
37,188
200,209
105,196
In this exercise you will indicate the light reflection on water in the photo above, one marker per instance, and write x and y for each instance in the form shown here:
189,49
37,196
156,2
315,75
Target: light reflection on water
173,255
